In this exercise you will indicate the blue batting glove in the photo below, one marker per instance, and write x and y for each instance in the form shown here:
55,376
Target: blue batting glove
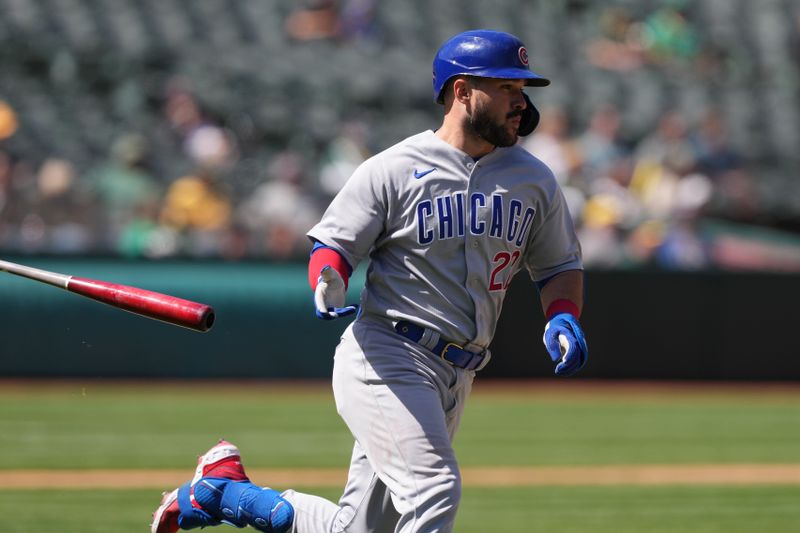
565,342
336,312
329,296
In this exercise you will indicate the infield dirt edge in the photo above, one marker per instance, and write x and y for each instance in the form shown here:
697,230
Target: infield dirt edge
738,474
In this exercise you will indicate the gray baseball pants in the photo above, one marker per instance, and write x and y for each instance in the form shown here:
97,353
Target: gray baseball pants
403,406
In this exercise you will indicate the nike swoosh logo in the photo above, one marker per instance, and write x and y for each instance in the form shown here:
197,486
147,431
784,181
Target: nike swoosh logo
418,174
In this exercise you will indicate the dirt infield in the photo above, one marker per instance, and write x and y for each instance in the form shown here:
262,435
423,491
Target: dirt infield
479,477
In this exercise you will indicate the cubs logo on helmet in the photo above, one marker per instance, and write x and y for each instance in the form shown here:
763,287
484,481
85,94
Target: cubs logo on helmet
523,55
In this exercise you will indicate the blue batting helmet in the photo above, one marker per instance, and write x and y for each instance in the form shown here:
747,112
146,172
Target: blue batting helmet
484,53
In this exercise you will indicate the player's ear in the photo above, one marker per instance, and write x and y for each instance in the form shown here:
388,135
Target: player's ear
462,89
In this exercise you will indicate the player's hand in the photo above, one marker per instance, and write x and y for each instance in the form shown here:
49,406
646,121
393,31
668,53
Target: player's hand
565,342
329,296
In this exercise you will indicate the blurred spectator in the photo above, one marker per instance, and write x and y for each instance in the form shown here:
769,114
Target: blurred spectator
8,120
8,229
619,45
684,246
19,191
180,107
668,145
735,195
611,201
713,152
316,19
339,20
600,145
551,143
123,187
60,221
143,236
663,157
198,207
196,201
344,153
210,146
610,212
667,35
357,20
281,210
206,143
6,166
8,125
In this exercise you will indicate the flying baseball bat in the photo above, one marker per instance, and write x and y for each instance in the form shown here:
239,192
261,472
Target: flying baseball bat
185,313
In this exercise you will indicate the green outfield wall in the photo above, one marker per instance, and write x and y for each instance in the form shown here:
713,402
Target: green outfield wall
639,324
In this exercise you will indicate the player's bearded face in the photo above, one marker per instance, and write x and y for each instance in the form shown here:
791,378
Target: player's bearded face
484,124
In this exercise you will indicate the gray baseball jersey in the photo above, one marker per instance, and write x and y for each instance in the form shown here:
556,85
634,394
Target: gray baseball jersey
445,234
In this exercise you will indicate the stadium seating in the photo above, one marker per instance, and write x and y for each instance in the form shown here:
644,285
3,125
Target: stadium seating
82,73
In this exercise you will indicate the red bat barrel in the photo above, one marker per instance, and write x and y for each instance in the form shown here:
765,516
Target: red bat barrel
192,315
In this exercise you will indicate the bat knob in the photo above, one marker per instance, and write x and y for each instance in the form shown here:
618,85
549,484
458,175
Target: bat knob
207,320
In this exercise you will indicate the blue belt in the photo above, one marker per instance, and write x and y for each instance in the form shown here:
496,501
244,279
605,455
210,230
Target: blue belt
449,351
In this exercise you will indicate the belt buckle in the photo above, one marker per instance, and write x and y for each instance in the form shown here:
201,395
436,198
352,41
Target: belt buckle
447,347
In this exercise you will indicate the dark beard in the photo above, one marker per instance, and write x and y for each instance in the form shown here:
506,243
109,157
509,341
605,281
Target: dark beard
482,125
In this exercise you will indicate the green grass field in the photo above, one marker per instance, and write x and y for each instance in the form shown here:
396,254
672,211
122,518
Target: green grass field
518,510
95,425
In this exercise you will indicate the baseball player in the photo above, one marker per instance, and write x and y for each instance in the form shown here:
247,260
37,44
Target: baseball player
445,218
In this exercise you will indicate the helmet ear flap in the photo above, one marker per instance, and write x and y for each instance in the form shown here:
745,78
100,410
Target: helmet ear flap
530,118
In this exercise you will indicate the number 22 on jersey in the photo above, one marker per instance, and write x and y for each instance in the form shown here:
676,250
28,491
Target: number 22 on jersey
504,267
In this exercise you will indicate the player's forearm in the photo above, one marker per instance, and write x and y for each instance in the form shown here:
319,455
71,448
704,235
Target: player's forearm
322,256
564,287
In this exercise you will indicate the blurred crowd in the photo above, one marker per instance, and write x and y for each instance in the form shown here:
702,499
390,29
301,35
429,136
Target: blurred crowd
635,202
642,202
122,206
679,194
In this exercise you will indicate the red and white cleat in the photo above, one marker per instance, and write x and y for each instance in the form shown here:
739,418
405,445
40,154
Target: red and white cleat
221,461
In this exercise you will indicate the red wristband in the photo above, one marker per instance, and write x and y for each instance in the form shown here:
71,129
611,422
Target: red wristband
323,257
562,306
